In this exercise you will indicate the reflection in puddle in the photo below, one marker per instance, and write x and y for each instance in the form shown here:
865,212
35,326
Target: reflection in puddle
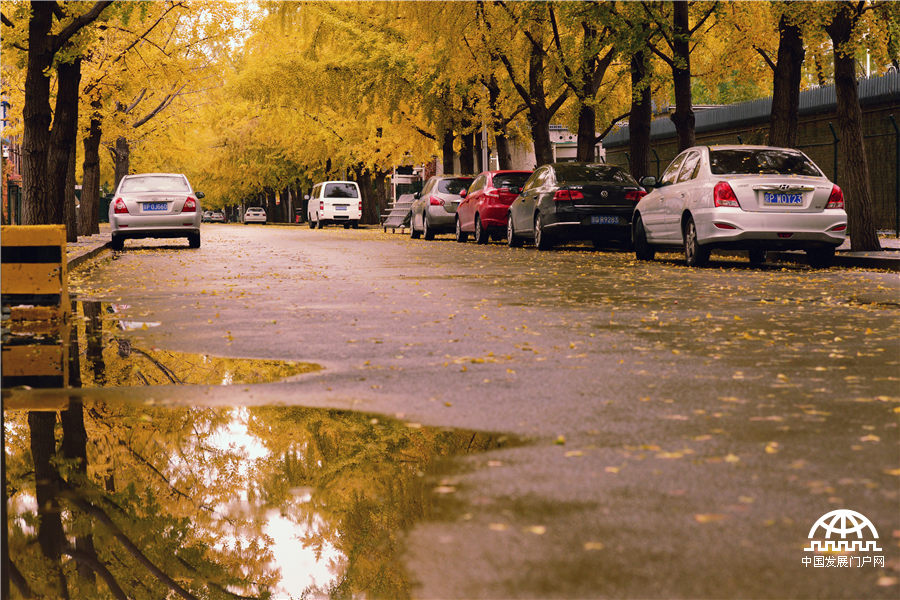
120,500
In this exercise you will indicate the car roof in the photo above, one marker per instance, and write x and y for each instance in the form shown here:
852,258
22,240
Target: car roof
156,174
746,147
336,181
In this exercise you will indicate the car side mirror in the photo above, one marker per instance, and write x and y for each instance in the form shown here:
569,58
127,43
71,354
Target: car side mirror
648,182
200,195
463,193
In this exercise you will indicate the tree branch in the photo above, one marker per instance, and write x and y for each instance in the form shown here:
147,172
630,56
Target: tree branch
6,21
609,128
77,24
162,106
700,23
99,568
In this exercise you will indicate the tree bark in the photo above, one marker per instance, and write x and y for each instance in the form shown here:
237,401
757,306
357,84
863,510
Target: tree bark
683,117
504,156
447,151
854,164
51,537
122,158
640,117
71,199
466,157
587,133
785,118
89,217
62,142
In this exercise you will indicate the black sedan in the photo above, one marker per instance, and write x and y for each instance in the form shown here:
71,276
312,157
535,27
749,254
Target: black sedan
574,201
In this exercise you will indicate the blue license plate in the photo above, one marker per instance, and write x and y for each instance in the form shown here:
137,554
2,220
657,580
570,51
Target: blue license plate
604,220
156,206
340,207
773,199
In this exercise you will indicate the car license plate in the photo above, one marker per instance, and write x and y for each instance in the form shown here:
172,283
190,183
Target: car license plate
604,220
773,199
155,206
340,207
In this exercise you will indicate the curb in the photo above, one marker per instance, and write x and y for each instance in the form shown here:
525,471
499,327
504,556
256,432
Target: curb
77,261
843,260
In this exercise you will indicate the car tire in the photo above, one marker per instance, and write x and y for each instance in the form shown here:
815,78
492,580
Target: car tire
542,241
820,258
481,235
413,232
427,232
118,243
642,248
461,236
194,240
757,256
695,254
346,225
312,224
319,224
512,240
355,224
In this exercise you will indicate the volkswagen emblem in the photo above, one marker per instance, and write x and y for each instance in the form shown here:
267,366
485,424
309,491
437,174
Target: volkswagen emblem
604,194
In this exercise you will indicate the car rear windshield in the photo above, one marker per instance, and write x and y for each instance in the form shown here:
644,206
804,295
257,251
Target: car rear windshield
155,183
454,186
510,180
766,162
593,173
340,190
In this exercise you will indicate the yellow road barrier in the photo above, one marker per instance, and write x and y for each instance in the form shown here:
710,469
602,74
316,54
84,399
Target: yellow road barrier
33,264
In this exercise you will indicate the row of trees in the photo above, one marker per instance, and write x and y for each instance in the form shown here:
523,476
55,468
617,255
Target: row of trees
302,91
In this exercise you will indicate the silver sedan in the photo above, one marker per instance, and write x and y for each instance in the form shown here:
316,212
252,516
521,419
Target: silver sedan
434,208
753,198
155,205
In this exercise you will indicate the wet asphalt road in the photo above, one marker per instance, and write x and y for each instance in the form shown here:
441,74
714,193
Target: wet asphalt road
686,427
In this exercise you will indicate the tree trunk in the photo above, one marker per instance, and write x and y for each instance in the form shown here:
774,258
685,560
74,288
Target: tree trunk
540,135
683,118
447,151
785,119
382,193
640,117
466,157
50,536
855,166
122,156
62,140
71,199
479,155
587,133
88,216
504,156
37,208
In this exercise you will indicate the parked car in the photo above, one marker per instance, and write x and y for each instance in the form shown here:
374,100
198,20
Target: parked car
754,198
155,205
255,214
216,216
484,207
205,217
434,209
574,201
335,202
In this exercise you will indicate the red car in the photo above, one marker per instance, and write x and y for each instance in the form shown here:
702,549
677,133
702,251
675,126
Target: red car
484,207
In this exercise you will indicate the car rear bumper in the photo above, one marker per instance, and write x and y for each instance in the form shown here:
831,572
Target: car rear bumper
162,226
572,226
440,219
494,216
759,230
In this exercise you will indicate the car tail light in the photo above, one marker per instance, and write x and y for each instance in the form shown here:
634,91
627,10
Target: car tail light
635,195
724,226
723,195
435,201
120,208
190,205
567,196
492,194
360,206
321,205
839,228
836,199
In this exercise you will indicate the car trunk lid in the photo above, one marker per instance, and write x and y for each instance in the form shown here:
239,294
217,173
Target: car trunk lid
780,193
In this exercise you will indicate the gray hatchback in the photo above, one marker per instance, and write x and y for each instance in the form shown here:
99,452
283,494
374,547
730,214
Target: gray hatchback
434,209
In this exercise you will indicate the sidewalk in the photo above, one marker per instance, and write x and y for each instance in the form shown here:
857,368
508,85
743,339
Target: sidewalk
887,258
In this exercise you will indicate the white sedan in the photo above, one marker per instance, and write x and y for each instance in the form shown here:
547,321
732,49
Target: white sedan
255,214
754,198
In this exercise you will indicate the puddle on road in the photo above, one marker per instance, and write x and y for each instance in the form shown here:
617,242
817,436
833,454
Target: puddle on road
151,501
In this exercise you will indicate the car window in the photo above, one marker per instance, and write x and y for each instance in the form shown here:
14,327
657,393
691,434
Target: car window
534,180
427,189
477,184
454,185
154,183
340,190
510,180
767,161
672,170
316,189
593,172
689,167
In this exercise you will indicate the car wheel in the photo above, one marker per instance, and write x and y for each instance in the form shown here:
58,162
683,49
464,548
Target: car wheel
346,225
757,256
695,255
542,240
427,232
194,240
512,240
413,232
642,249
820,258
461,236
118,243
481,236
319,224
355,224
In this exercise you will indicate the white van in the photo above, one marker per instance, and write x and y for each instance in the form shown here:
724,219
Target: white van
335,202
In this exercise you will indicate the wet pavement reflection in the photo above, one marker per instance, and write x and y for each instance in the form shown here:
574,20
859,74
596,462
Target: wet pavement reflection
120,500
